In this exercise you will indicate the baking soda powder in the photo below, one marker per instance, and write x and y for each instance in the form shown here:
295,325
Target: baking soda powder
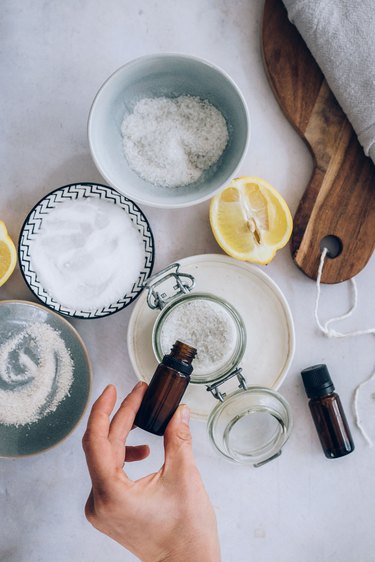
36,373
87,254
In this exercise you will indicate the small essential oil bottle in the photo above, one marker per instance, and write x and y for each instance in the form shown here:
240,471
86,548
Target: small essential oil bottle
166,389
327,412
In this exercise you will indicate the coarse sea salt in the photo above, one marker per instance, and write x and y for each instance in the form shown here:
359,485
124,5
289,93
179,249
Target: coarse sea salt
205,325
87,254
36,374
170,142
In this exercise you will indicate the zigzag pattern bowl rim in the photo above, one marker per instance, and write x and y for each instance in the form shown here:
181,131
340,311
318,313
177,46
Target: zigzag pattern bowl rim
118,198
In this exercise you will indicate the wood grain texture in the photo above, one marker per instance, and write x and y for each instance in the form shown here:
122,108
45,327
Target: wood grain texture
340,197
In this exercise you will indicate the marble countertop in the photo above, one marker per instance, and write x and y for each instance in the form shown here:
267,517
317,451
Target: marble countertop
54,57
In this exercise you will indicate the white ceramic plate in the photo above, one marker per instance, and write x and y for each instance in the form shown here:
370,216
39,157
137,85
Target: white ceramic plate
265,312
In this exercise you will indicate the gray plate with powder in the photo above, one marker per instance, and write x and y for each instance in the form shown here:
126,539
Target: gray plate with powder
45,378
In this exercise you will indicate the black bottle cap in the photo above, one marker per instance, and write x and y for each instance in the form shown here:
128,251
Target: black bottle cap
178,365
317,381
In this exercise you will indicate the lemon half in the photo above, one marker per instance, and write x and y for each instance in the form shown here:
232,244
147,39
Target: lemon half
250,220
8,254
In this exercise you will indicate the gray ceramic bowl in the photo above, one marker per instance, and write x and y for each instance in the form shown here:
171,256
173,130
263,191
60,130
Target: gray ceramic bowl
169,75
18,441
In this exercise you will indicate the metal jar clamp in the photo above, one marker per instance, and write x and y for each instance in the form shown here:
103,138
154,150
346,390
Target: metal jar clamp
184,284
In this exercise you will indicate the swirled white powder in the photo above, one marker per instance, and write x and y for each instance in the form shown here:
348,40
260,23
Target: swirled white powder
87,254
205,325
170,142
36,373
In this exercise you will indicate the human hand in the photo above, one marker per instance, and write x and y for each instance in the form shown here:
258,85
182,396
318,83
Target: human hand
165,516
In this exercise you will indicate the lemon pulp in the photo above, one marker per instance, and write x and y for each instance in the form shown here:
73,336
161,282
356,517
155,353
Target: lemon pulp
8,254
250,220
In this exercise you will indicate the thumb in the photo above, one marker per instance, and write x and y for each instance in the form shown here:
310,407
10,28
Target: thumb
177,440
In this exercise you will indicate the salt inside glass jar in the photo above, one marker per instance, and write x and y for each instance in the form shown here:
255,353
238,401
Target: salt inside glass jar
208,323
249,425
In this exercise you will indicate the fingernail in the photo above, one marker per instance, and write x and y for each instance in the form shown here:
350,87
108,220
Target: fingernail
185,414
138,385
107,388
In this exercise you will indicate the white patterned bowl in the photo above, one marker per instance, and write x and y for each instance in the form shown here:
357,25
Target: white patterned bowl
73,192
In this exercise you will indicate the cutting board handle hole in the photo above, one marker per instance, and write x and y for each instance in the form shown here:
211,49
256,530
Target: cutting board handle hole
333,245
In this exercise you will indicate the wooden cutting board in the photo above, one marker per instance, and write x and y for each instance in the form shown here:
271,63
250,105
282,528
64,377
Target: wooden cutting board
340,197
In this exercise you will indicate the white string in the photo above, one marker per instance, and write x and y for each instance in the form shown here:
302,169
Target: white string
356,409
332,333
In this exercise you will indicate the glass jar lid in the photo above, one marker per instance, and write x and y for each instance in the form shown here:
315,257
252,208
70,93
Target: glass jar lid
208,323
250,426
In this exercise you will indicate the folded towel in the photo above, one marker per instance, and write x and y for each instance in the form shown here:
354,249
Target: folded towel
341,36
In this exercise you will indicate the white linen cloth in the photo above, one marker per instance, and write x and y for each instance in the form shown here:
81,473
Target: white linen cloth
341,36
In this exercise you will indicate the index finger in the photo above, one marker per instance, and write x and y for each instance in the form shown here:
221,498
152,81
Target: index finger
95,440
123,420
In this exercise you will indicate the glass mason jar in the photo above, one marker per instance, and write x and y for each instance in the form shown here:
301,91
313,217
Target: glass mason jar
233,355
249,425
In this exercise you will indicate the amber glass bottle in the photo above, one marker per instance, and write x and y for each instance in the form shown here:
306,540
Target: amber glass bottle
166,389
327,412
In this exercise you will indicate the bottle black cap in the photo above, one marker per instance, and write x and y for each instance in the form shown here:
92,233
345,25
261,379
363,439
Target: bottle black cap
177,364
317,381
